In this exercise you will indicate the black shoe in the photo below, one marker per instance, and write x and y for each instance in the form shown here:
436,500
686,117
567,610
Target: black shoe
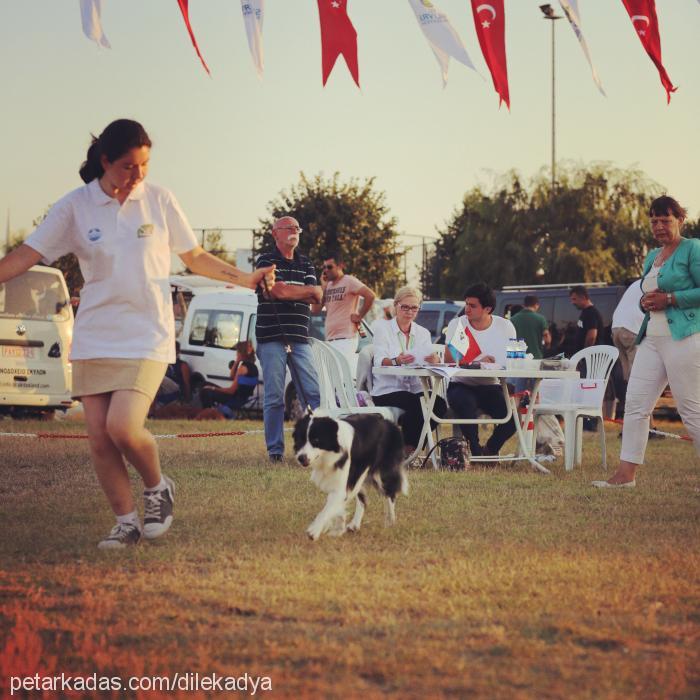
158,514
122,535
276,458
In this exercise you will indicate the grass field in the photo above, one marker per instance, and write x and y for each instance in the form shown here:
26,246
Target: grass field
497,583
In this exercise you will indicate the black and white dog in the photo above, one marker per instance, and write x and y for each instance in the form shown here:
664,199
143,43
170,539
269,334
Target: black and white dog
344,454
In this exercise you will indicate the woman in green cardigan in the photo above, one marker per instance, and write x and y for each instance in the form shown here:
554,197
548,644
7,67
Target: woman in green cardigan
669,339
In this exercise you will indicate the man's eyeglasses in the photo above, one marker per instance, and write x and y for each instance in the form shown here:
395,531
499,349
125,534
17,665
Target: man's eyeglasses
296,229
407,308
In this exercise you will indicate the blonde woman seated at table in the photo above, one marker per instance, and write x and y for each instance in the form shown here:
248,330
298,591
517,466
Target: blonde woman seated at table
397,342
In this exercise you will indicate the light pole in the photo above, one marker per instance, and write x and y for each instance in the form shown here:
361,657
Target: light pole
548,12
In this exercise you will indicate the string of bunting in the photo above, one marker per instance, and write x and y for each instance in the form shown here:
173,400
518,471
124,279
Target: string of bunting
339,36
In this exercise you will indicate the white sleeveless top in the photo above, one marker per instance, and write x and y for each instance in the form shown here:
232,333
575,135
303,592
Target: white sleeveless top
658,323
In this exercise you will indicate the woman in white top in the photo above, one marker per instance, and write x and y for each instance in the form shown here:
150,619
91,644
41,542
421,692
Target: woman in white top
401,341
123,231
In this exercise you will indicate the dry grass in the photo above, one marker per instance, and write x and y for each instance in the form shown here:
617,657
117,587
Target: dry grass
498,583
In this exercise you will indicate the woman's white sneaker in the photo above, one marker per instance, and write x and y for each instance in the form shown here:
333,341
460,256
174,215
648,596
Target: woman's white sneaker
608,485
122,535
158,511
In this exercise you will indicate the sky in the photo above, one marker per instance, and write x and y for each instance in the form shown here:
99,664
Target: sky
228,144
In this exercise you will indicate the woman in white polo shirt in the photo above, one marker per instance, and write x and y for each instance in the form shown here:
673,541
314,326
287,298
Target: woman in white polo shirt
123,231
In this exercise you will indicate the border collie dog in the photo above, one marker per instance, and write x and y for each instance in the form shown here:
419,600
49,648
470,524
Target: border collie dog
344,455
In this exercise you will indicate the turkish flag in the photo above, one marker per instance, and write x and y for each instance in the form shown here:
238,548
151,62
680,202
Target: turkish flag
643,16
186,16
338,36
474,350
490,22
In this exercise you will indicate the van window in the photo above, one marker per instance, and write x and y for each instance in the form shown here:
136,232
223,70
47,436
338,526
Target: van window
429,319
251,331
547,307
35,295
199,327
605,303
216,329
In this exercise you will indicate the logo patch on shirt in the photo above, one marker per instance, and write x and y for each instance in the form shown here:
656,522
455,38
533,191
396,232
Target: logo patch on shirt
145,230
94,235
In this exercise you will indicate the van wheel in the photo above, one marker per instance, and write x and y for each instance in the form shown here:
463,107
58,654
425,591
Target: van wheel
292,406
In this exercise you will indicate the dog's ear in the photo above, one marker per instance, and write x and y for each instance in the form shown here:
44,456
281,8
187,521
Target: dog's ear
323,434
300,431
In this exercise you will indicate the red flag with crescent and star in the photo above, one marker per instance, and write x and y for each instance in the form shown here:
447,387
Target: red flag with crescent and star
463,345
338,36
184,8
643,16
474,350
490,22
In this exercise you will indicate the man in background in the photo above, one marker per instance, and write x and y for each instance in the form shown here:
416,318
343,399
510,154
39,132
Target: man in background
341,297
532,327
590,324
282,330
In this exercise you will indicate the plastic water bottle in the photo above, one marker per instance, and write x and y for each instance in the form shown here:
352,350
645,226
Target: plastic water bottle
510,353
520,352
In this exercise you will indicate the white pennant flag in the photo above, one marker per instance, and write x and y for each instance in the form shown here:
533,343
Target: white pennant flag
253,19
441,35
570,8
90,11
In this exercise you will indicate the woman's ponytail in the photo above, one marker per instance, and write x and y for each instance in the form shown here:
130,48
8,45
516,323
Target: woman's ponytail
92,167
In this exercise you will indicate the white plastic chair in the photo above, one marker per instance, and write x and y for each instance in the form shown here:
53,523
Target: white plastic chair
568,398
336,386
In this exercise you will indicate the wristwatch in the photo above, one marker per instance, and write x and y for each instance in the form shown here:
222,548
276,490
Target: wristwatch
669,299
395,361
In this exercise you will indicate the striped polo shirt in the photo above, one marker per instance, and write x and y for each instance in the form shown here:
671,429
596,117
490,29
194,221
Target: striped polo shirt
293,315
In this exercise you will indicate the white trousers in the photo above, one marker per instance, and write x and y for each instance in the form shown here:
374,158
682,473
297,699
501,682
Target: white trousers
661,360
347,347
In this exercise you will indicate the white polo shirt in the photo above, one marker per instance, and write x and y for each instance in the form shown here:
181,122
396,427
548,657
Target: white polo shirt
124,254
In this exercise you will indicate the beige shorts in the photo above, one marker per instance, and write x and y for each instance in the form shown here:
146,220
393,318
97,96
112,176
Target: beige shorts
102,376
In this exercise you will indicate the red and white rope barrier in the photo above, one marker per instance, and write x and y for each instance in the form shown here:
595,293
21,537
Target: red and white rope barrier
79,436
654,431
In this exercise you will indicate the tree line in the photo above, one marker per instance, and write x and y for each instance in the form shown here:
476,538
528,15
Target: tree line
592,227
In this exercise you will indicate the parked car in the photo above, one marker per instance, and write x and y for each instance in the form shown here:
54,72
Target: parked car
36,331
436,314
215,321
562,315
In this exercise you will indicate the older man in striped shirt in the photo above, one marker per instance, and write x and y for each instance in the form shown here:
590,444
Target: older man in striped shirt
282,330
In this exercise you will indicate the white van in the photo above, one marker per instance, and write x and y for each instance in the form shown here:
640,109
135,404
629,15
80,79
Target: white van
36,331
214,323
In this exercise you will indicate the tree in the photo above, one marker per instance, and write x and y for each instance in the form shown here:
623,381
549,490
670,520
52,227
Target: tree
593,227
214,244
346,217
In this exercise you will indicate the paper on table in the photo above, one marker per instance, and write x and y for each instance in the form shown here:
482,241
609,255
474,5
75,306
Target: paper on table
443,370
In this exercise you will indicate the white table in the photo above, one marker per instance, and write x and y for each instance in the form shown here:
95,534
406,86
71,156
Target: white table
431,381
